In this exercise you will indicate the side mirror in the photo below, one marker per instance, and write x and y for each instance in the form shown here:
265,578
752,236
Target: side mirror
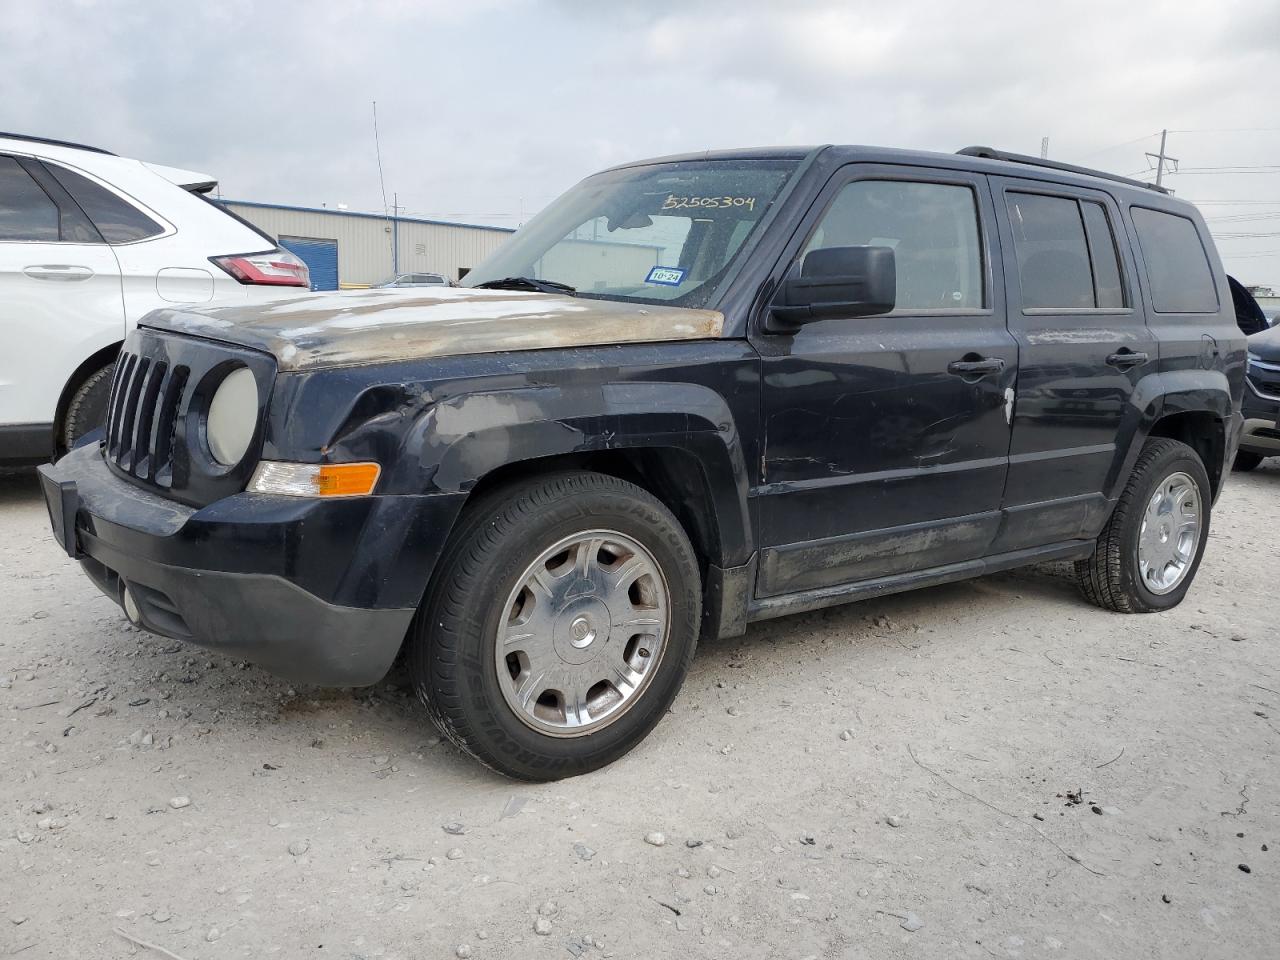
837,282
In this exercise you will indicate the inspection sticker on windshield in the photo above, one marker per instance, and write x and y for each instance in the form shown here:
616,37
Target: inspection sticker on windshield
667,276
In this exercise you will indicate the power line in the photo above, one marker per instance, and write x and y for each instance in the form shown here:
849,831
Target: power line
1212,172
1116,146
1232,130
1243,217
1233,169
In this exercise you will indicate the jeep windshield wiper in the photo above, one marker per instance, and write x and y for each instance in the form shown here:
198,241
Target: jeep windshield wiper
526,283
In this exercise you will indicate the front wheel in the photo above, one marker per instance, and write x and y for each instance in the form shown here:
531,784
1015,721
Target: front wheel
560,625
1149,551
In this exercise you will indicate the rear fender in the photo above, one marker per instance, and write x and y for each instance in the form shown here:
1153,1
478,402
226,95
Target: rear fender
1157,397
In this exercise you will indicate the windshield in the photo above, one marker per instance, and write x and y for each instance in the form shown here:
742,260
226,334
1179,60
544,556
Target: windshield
661,233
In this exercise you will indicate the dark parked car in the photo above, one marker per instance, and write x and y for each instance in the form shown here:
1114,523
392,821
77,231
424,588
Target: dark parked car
1261,438
691,394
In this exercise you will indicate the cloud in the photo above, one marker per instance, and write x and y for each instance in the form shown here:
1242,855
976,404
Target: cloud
488,108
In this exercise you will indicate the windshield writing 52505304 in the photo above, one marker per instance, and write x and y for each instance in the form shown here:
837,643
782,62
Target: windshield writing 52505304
710,203
666,232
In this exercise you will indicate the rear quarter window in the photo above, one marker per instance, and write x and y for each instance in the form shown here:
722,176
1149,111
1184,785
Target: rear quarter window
1177,266
116,219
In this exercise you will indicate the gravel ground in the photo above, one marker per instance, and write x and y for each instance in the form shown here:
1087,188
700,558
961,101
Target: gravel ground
983,769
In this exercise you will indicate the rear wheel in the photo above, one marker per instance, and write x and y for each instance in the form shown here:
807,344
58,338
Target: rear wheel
560,625
1148,552
87,408
1246,461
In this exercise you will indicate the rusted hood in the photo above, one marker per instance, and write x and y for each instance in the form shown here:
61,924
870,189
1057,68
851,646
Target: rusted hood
375,326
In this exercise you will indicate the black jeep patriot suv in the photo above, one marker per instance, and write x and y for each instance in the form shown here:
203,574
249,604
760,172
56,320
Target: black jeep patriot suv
690,394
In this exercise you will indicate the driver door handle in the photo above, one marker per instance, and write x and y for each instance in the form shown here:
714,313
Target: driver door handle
58,271
969,368
1127,358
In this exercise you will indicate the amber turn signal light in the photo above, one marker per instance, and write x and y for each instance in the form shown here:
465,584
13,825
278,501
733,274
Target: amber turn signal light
315,479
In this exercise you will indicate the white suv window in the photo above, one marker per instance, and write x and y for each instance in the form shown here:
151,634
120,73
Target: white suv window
26,212
117,220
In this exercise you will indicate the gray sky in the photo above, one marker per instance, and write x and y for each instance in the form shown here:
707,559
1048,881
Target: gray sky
489,108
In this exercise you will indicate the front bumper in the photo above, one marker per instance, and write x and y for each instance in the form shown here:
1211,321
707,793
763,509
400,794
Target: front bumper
1261,422
316,591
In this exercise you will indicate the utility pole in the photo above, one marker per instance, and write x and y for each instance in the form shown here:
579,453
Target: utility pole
1044,148
395,234
1162,158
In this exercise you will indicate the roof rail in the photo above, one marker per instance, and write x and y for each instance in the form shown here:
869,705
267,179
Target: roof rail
990,153
54,143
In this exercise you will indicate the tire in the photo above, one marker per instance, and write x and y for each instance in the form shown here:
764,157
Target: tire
485,583
87,408
1112,577
1246,461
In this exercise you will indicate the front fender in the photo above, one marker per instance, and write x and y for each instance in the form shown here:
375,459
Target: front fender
461,439
439,428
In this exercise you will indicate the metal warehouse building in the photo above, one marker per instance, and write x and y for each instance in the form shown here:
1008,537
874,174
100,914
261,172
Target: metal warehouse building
345,249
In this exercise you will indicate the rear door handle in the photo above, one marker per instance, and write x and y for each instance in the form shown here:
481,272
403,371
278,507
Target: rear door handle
1127,358
969,368
58,271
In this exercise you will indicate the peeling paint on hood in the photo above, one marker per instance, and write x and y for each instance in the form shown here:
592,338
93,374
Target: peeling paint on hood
376,326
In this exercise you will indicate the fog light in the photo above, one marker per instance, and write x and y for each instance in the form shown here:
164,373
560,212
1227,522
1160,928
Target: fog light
131,608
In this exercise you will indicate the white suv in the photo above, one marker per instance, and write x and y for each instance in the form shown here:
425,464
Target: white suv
89,243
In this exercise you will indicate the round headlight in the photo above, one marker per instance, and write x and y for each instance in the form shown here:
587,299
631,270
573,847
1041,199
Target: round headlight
233,416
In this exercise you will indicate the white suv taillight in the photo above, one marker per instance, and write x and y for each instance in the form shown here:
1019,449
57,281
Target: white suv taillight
275,268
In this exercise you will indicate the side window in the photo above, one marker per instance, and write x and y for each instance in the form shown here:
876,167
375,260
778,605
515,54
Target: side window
1067,255
932,228
26,212
1177,267
117,220
1108,287
1053,256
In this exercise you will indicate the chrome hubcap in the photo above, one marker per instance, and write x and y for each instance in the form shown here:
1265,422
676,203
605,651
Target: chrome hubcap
582,633
1170,533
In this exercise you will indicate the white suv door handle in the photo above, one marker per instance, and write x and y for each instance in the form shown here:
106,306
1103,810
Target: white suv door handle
58,271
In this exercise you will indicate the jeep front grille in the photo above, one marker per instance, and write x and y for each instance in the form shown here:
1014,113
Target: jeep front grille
155,414
142,415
